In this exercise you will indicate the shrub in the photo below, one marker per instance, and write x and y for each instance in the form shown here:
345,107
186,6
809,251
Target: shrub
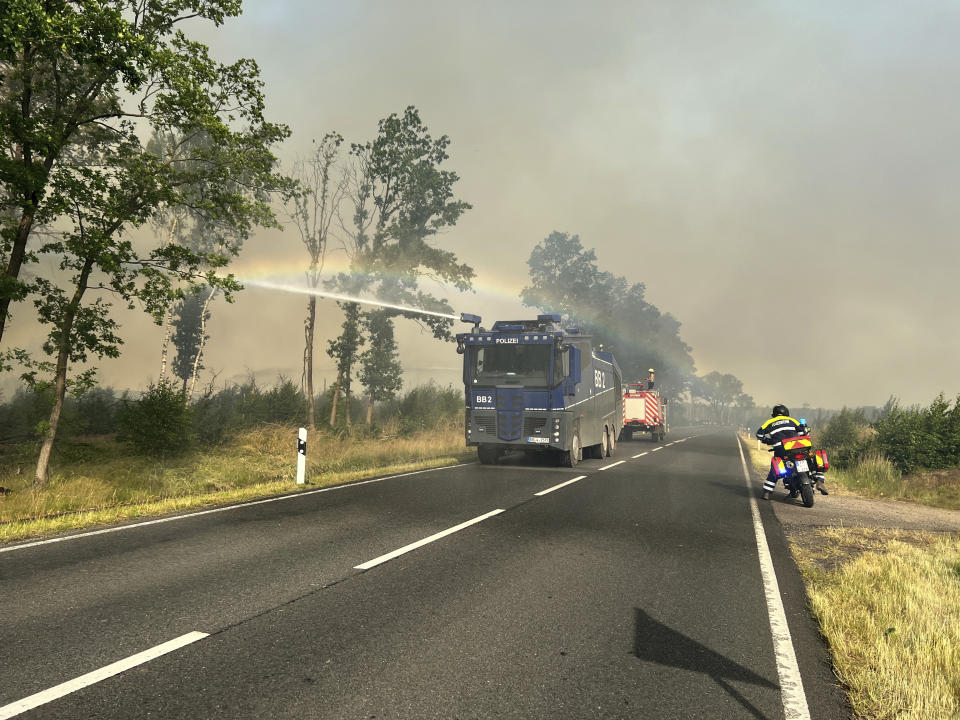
95,412
848,437
918,437
27,409
429,406
159,423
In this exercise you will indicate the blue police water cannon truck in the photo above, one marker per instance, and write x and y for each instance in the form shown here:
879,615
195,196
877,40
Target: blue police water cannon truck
536,386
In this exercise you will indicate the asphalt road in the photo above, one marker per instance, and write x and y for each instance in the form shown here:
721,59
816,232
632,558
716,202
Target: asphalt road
634,591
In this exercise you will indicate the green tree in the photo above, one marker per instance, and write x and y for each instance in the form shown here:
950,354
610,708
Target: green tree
380,369
80,84
565,279
402,199
345,350
722,391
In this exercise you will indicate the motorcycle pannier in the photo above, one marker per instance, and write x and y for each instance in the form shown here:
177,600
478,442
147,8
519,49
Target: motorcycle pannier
823,462
778,466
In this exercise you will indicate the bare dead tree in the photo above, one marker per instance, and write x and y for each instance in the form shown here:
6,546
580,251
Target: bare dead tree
313,211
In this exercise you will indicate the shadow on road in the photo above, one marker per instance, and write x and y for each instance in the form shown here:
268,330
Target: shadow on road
657,643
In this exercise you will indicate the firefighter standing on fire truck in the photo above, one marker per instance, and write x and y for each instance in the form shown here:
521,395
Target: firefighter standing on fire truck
773,432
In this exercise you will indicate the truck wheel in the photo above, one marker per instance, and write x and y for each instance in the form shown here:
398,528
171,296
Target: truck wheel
604,445
571,457
613,441
488,455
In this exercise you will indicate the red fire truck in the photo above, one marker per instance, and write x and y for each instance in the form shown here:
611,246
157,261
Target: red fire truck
644,410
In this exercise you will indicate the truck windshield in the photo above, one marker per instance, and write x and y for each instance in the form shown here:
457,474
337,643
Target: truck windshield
527,365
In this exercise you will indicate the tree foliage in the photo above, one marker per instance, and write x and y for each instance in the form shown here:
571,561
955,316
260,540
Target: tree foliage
402,200
81,84
723,392
565,279
344,351
380,369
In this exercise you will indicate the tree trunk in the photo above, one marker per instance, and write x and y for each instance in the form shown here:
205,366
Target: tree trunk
346,399
17,253
167,332
308,360
203,341
370,410
169,314
60,380
336,396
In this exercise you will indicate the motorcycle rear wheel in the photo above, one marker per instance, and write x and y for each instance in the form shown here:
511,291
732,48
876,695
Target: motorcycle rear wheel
806,492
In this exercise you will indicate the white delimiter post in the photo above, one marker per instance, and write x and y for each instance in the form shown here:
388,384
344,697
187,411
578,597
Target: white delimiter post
301,455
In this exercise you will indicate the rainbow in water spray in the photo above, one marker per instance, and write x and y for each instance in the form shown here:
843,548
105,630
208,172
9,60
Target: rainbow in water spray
268,285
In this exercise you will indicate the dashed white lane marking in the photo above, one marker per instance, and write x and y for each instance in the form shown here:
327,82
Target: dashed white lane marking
791,685
607,467
634,457
291,496
557,487
655,449
58,691
420,543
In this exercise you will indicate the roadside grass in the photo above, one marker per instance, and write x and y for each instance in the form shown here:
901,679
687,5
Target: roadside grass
888,604
95,481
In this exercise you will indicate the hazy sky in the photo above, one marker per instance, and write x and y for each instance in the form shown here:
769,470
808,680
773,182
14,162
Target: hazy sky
781,175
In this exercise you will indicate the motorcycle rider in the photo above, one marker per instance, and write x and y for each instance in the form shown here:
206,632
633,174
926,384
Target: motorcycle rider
773,432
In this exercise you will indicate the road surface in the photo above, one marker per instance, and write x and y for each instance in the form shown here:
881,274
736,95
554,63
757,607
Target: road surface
629,587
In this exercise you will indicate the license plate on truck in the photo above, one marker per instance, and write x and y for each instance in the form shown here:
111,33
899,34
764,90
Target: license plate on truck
802,466
538,439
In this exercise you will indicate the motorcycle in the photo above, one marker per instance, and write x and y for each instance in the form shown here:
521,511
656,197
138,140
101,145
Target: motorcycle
801,466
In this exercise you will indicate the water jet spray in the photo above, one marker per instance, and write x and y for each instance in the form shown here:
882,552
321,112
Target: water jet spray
347,298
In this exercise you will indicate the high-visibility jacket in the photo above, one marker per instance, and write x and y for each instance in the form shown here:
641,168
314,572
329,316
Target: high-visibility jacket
774,430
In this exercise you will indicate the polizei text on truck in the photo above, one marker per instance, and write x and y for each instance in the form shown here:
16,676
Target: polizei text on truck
535,386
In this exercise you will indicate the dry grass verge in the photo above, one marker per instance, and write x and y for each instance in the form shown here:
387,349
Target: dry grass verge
101,484
887,600
888,603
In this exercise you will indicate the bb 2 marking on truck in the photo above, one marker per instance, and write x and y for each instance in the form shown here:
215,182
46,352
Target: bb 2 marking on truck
488,399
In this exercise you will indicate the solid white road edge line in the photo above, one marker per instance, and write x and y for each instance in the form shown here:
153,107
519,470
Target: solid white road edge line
607,467
291,496
791,684
557,487
420,543
58,691
634,457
